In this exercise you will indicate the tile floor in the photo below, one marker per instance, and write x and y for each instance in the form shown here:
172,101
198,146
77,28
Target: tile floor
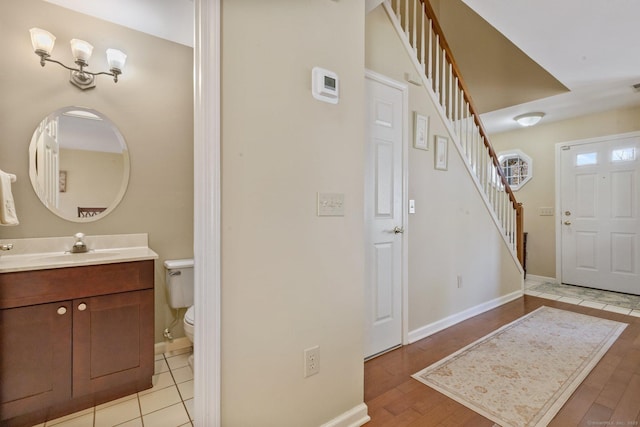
169,403
604,300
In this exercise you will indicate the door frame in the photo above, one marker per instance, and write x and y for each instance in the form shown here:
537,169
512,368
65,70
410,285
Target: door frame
558,183
404,88
206,215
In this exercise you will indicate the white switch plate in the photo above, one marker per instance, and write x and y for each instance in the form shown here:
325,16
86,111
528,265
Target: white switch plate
545,211
330,204
412,206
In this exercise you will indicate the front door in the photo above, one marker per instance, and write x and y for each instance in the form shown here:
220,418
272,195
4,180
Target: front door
600,225
385,130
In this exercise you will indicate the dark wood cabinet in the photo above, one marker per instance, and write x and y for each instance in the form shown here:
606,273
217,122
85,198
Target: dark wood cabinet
35,364
91,344
111,341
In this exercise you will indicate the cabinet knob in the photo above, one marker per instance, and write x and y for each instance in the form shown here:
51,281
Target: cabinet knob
82,306
62,310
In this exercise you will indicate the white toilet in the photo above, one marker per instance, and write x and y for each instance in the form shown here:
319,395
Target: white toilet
179,281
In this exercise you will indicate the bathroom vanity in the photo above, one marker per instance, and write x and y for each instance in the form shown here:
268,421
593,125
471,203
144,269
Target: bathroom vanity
76,330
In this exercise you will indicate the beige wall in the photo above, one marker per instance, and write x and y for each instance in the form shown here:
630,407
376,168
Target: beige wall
94,179
496,72
290,279
539,143
151,105
451,232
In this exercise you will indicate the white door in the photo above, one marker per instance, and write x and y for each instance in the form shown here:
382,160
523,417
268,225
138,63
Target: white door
48,162
384,216
599,201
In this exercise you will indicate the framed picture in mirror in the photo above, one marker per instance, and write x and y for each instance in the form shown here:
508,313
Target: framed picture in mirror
62,181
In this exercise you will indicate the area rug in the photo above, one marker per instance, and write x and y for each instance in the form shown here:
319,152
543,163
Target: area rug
522,373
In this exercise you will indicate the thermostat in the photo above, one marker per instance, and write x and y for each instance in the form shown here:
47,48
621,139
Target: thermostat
325,85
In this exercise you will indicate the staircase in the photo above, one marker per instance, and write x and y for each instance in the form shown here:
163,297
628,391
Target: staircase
415,22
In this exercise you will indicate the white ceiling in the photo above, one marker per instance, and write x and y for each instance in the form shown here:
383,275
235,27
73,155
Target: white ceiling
168,19
590,46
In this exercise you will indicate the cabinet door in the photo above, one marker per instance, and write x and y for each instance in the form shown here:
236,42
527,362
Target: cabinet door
112,341
35,364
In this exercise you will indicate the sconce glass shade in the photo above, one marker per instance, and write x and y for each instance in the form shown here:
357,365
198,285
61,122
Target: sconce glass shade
116,59
42,41
81,50
529,119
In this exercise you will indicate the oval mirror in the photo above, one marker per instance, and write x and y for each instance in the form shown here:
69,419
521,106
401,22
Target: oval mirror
78,164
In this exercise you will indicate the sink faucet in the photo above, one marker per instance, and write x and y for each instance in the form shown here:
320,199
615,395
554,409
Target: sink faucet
79,246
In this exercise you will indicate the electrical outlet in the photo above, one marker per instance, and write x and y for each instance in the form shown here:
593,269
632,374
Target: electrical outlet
459,281
311,361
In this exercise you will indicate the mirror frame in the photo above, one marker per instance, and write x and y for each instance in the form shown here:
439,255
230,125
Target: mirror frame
125,175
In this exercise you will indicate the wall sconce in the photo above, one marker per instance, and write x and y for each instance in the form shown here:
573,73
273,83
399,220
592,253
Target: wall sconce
43,42
529,119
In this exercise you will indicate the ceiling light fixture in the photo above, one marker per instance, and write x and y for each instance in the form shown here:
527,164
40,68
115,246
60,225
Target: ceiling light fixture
529,119
43,42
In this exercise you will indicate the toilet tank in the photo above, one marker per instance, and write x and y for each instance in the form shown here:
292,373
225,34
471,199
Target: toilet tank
179,281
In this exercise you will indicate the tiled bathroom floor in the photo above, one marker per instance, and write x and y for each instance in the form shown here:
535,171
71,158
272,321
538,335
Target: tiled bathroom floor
169,403
604,300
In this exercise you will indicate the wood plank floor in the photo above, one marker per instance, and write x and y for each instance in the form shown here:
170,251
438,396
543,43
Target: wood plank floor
609,396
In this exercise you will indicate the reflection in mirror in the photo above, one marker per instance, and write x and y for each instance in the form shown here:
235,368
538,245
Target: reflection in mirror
78,164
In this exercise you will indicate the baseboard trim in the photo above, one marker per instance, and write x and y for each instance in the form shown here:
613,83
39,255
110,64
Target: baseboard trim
176,344
541,279
430,329
354,417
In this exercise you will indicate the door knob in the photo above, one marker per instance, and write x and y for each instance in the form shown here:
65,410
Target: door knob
567,223
398,230
82,306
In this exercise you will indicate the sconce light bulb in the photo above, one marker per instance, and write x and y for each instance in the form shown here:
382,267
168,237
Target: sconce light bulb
116,59
42,41
81,51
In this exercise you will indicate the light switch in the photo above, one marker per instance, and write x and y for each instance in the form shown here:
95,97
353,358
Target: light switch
412,206
545,211
330,204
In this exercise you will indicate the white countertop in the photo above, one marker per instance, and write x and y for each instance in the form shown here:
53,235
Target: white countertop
48,253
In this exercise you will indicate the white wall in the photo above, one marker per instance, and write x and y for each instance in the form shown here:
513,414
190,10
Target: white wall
539,143
451,232
290,279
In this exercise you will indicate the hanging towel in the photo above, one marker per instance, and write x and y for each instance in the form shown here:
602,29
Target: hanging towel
7,207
